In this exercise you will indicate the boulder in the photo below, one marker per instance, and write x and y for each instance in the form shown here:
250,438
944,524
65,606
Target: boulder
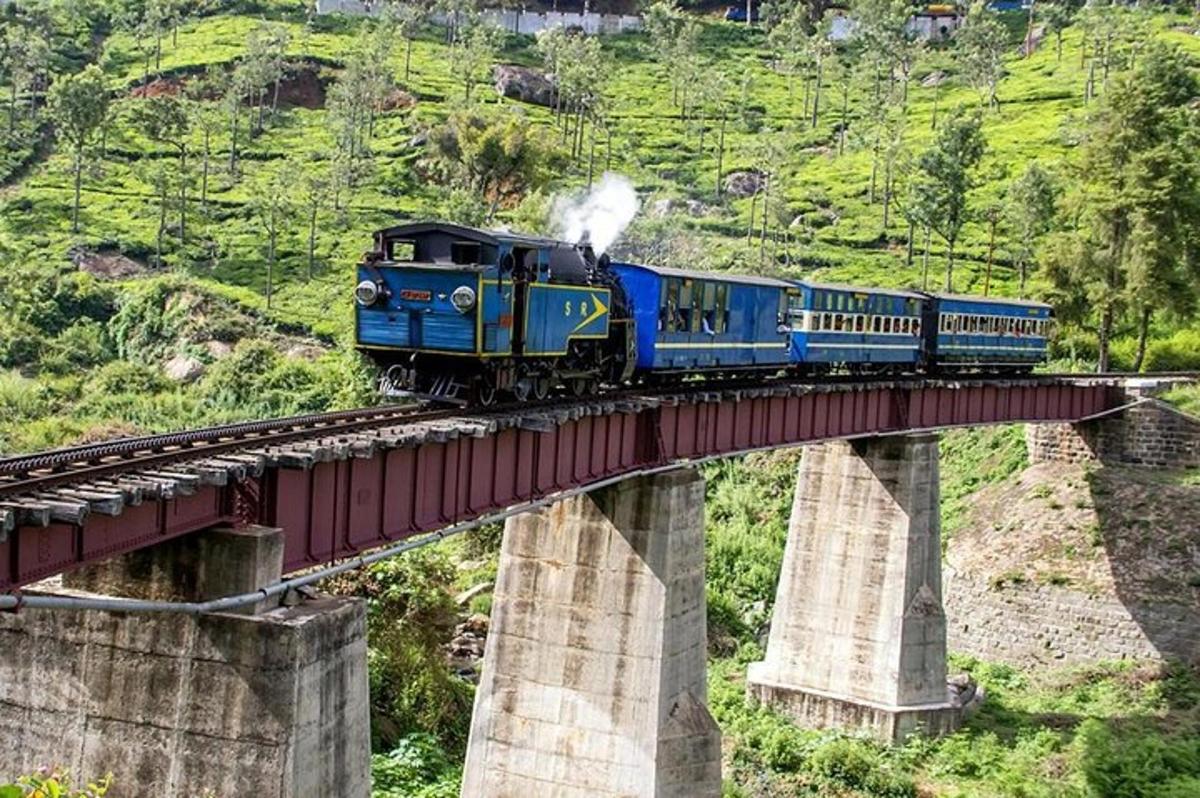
525,84
183,368
218,349
745,183
935,78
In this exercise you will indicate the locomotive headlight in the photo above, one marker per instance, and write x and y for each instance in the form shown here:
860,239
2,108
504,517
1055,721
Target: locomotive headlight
366,293
463,298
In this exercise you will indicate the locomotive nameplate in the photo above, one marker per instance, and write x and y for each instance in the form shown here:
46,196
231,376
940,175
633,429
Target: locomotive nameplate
416,296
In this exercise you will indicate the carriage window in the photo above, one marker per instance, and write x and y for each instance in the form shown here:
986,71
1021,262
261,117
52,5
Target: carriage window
670,309
401,251
837,322
904,325
887,324
826,321
916,326
877,324
858,324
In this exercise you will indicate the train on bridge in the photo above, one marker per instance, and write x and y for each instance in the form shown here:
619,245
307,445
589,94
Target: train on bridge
466,315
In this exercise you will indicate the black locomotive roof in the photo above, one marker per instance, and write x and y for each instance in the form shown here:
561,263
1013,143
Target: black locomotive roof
493,237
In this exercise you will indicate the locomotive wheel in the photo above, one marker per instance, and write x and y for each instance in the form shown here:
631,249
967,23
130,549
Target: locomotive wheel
541,387
485,391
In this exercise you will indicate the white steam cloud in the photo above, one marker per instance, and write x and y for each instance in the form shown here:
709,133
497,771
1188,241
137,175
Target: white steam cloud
600,216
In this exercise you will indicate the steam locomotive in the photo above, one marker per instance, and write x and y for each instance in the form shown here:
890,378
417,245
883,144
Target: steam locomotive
464,315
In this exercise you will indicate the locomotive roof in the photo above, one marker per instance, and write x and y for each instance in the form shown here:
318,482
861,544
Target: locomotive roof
693,274
494,237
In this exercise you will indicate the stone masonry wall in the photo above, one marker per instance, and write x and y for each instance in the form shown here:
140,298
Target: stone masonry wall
1024,622
1152,433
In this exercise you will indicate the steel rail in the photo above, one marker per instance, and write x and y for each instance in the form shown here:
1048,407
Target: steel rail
27,473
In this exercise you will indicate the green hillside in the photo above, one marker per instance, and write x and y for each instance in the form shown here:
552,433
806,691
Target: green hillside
665,136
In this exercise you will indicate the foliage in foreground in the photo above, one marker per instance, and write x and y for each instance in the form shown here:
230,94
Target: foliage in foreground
54,784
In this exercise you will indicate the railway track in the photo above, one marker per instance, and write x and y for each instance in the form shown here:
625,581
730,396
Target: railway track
66,484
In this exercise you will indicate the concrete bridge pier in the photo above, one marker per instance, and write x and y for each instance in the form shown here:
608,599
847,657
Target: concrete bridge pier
269,701
594,673
858,634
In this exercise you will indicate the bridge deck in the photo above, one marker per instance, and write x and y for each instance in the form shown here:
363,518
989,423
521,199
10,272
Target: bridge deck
339,494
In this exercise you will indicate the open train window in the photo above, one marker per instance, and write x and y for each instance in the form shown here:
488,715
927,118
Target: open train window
722,308
877,324
916,327
465,253
400,251
669,313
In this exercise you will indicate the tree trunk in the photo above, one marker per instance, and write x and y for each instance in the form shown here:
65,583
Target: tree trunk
1143,334
1105,334
270,260
949,266
762,239
158,52
1024,272
874,170
78,179
845,113
987,276
1058,45
592,156
182,195
816,106
925,259
275,96
887,196
233,137
162,221
908,255
750,229
312,238
12,110
408,60
204,173
720,155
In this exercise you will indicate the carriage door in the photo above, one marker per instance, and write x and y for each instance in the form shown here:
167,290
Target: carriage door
521,265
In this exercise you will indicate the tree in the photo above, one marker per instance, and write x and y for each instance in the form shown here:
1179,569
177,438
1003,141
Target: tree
1058,17
1135,246
272,207
981,44
472,55
164,119
409,19
497,155
944,176
1030,215
80,104
206,118
315,182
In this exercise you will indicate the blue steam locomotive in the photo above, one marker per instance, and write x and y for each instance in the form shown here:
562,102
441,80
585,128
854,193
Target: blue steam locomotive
466,315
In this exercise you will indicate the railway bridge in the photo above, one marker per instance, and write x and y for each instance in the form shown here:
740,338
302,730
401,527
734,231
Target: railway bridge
161,622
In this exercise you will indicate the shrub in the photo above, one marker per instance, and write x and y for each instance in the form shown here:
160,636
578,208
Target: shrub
1134,764
83,345
857,764
417,767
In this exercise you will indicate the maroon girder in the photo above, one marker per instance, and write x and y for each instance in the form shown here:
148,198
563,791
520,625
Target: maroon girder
334,501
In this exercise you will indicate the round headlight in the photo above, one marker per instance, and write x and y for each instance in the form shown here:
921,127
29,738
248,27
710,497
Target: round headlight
463,298
366,292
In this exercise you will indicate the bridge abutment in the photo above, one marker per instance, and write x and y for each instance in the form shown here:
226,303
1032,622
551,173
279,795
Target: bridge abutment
594,673
269,703
858,633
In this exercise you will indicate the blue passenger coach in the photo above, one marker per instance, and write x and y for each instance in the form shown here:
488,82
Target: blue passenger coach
706,321
843,324
979,332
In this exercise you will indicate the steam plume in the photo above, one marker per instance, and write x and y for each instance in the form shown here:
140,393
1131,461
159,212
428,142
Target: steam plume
600,216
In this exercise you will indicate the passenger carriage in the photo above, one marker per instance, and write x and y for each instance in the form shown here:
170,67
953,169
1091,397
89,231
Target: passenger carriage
988,333
693,321
866,329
